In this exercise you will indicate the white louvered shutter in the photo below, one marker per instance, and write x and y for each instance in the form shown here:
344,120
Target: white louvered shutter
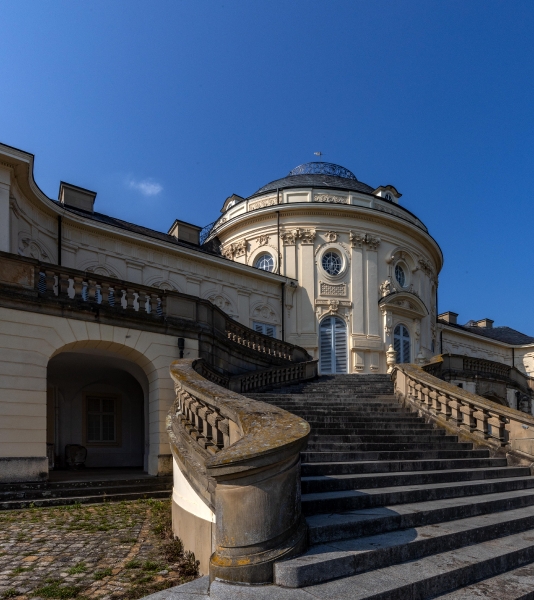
340,345
325,334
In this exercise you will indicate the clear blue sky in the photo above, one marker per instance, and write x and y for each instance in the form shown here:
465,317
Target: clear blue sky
167,108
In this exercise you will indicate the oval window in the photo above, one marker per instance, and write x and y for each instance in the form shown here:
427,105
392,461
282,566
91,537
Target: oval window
265,262
400,275
332,263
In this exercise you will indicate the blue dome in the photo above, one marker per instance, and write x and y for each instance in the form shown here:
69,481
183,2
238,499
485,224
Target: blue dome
322,168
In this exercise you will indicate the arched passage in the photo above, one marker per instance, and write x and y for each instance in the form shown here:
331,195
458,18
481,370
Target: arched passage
99,401
333,356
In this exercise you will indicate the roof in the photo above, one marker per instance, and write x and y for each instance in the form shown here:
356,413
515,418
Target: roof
504,334
317,181
152,233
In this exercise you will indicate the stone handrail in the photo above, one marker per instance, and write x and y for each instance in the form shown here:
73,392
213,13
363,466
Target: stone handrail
475,417
260,379
103,293
266,378
242,457
451,365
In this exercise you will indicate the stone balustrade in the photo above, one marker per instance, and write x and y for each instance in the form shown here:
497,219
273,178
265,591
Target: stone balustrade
260,379
242,458
461,412
57,289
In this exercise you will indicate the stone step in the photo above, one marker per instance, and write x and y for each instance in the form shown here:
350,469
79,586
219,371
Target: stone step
330,502
436,445
85,483
435,436
352,449
343,457
341,526
93,489
435,574
318,420
84,499
377,479
517,584
358,555
378,432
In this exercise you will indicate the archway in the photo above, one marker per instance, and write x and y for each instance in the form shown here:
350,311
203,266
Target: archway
333,357
402,343
99,401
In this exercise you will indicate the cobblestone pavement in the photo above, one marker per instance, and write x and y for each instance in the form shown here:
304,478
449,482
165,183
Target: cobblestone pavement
113,550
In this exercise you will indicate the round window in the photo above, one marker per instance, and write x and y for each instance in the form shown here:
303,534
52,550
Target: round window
332,263
400,275
265,262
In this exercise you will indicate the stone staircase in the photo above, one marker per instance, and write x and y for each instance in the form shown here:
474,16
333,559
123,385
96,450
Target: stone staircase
86,490
398,509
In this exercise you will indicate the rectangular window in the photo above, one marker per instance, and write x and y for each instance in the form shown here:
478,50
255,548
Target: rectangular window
264,328
101,419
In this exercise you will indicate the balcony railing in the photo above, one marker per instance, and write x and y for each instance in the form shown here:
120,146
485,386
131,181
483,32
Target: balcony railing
103,294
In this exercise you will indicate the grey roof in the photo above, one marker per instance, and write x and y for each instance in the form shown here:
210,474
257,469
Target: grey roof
317,181
503,334
152,233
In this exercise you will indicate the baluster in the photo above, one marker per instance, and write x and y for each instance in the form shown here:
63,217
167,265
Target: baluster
433,402
456,415
445,409
50,281
163,304
63,285
130,298
104,293
153,304
143,297
78,287
91,290
498,427
481,418
468,421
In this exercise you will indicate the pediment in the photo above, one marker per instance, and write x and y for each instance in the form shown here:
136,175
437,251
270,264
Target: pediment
404,303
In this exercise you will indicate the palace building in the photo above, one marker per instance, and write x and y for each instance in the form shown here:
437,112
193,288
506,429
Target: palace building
93,309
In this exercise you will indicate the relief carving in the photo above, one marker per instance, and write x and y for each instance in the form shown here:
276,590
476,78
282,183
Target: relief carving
308,236
358,239
262,203
290,237
329,289
330,236
331,199
263,240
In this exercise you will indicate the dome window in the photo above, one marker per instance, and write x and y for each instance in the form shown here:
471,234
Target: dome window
265,262
388,197
332,263
400,275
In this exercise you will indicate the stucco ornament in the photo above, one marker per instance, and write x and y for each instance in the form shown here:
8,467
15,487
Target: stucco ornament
391,358
27,247
265,312
263,240
330,236
388,322
330,198
289,238
357,240
232,251
307,236
386,288
333,306
262,203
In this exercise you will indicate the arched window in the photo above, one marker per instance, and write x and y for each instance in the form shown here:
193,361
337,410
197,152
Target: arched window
333,346
401,344
265,262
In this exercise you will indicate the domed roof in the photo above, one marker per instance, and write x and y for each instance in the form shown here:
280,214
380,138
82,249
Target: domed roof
319,175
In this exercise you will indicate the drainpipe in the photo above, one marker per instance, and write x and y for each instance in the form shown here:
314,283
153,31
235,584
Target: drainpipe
59,240
513,357
283,317
278,239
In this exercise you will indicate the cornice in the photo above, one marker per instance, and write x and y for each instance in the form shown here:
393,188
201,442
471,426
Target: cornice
483,338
